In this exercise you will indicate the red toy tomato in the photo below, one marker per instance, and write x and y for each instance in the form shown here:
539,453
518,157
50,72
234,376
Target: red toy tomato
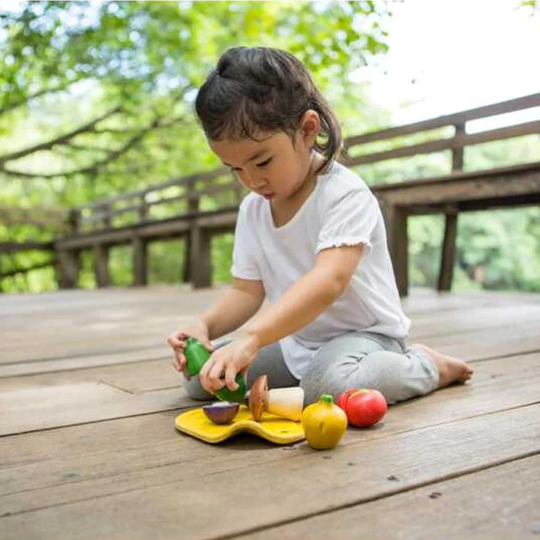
363,406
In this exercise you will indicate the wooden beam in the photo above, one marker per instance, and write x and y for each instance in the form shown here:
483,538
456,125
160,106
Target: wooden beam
100,216
495,109
224,218
13,247
200,177
464,187
459,141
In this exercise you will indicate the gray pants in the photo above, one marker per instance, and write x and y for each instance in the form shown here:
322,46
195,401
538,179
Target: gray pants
352,360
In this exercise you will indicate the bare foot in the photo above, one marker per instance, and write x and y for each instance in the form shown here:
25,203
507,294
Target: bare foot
450,369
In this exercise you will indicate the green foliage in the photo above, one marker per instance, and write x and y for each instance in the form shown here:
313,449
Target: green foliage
67,63
222,247
496,250
166,261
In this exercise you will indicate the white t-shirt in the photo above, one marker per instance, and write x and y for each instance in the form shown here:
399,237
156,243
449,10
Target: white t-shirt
341,210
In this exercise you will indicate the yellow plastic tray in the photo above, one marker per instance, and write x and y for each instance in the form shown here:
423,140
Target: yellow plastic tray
272,428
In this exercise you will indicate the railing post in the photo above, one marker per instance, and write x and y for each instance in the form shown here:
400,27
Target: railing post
448,255
143,208
105,208
458,153
395,220
140,267
200,262
448,251
74,218
193,207
101,265
68,269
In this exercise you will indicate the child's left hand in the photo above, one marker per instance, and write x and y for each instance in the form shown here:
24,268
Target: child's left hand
224,364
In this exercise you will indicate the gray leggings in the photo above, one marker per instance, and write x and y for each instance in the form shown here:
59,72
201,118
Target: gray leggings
352,360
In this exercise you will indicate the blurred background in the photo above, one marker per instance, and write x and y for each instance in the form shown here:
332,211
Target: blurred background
96,100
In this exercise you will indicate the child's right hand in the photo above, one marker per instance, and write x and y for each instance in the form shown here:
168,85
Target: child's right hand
177,340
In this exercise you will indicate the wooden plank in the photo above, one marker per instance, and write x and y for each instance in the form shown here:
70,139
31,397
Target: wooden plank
308,483
525,102
138,355
480,345
462,187
423,300
88,326
166,228
472,346
461,140
46,401
80,403
135,453
498,503
199,177
14,247
72,330
428,325
458,176
191,197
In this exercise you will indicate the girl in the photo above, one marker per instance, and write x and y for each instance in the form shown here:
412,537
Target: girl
311,238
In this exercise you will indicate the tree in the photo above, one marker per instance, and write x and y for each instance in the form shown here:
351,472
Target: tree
96,99
134,67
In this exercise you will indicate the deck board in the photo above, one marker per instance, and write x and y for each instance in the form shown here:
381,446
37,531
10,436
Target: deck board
118,455
300,486
89,450
498,503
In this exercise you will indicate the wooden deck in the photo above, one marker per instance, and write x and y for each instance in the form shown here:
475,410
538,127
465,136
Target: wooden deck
88,448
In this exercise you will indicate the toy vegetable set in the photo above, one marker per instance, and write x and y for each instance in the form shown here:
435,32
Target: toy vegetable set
277,415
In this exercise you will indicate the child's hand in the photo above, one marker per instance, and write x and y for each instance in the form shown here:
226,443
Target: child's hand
177,341
224,364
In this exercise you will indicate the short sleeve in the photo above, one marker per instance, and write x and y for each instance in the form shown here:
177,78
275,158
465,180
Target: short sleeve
348,219
245,250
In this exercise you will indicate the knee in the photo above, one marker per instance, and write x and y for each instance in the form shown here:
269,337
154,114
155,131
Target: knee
372,370
327,375
195,391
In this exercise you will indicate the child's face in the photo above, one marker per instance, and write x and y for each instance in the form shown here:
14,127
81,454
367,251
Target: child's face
272,167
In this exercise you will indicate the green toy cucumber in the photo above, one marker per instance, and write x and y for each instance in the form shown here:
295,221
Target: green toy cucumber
197,355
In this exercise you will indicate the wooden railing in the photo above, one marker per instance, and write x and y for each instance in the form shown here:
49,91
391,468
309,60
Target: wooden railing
196,207
137,206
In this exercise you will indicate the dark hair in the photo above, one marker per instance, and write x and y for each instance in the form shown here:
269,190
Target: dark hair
262,89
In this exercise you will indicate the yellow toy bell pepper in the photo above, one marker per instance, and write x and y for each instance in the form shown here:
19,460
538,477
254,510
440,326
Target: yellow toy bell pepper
324,423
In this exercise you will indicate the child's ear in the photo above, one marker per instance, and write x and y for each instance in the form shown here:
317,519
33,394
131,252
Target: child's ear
310,126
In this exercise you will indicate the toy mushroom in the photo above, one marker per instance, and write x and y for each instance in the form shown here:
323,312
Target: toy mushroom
285,402
258,397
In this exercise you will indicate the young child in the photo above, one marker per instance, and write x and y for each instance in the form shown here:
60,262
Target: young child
310,237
